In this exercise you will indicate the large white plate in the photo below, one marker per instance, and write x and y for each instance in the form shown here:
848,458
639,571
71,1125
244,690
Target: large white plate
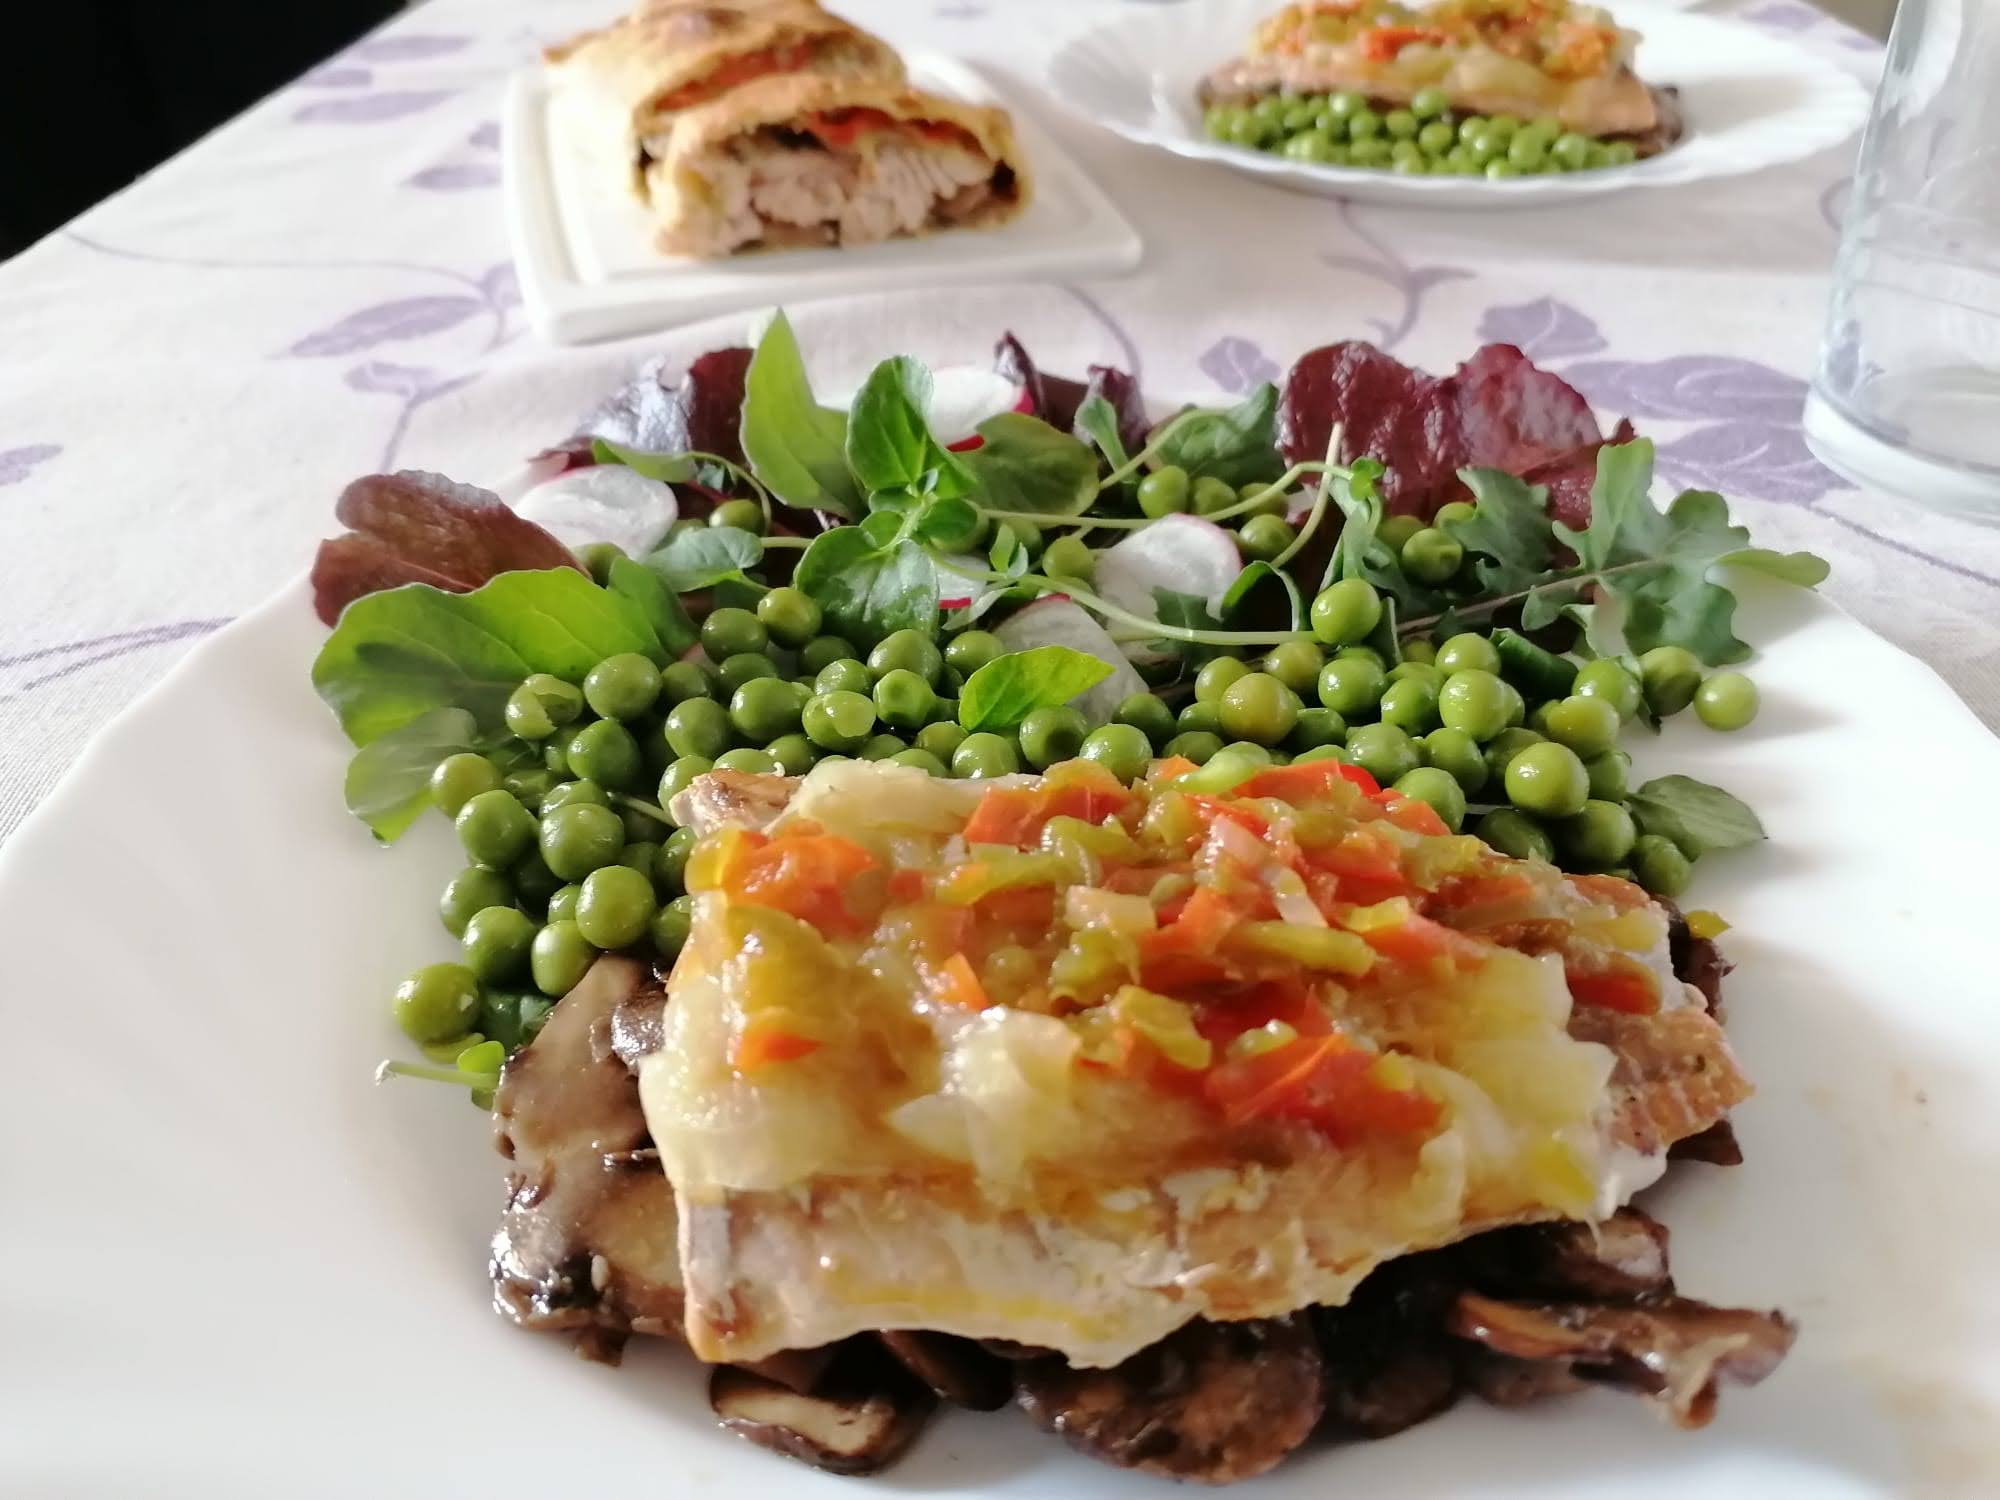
588,268
230,1265
1752,100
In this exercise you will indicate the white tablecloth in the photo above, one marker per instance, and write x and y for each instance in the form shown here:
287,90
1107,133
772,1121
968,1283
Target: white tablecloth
190,372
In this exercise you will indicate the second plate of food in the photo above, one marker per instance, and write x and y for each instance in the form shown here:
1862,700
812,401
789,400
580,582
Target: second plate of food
1357,103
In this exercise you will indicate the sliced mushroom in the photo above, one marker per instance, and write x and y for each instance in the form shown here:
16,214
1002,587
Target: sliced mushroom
850,1427
795,1369
1388,1364
1622,1257
1214,1402
1716,1145
957,1369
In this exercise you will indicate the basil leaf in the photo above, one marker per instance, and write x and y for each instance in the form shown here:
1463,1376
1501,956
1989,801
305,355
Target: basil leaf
1509,531
1250,578
797,447
669,468
1696,816
398,654
869,585
653,596
1007,689
889,442
1025,464
1237,445
703,556
388,780
946,521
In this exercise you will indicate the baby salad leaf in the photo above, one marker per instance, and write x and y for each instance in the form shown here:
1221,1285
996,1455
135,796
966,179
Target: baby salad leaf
1359,552
399,654
668,468
1025,464
1188,612
1007,689
388,780
657,601
703,556
796,446
889,442
1696,816
1250,578
1510,531
1097,420
1237,445
870,579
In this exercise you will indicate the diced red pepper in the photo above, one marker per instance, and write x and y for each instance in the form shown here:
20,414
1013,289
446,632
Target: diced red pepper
737,70
1185,951
1410,815
804,875
1015,816
763,1043
1622,987
1367,867
1383,43
1325,1081
906,886
1297,783
1208,809
957,984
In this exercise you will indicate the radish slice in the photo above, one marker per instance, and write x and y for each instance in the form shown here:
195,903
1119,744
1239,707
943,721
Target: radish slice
1056,621
1182,553
963,396
603,503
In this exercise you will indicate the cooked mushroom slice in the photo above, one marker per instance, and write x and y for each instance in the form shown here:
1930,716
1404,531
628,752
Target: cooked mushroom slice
850,1427
1623,1257
1388,1363
1215,1402
957,1369
795,1369
1672,1349
1716,1145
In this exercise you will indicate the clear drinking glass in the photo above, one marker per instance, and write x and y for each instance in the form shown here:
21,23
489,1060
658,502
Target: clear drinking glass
1906,398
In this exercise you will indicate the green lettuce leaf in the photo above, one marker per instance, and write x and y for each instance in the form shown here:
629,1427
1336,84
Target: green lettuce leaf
388,780
1007,689
796,446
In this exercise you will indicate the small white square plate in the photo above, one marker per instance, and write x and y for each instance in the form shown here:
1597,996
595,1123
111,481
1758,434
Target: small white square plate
588,268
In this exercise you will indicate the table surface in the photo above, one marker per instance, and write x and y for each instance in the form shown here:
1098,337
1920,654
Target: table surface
322,288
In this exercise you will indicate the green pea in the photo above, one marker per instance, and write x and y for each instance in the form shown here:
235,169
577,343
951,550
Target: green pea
970,650
941,739
903,699
641,827
1429,103
1431,556
533,881
793,754
471,890
1197,745
1728,700
559,957
748,760
881,747
1608,680
1363,123
1264,538
1211,495
606,753
1346,104
1437,789
1501,168
790,616
1468,652
732,632
684,680
1527,153
1571,151
1048,735
1368,654
597,558
622,686
1475,701
1411,705
822,651
1516,834
983,755
1620,153
1215,676
763,709
1437,138
1608,775
1258,707
1396,530
1198,718
844,676
1383,751
1296,664
1067,557
494,829
459,778
1164,492
1249,754
1422,671
1547,779
908,651
1503,747
1147,714
1030,537
839,720
496,942
1421,650
745,666
437,1003
670,927
1352,687
565,793
1668,677
531,784
1659,865
1346,612
743,515
1263,498
1589,726
1316,727
1599,836
699,726
1458,755
1299,114
1122,749
562,903
579,838
670,867
1319,753
920,760
676,778
614,907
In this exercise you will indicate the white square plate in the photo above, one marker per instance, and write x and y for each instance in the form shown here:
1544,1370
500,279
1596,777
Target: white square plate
588,268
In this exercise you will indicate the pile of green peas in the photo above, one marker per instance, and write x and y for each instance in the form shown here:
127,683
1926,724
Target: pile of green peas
1421,138
1258,509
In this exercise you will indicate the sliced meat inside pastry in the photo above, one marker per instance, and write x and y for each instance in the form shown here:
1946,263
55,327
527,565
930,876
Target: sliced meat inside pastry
628,84
808,160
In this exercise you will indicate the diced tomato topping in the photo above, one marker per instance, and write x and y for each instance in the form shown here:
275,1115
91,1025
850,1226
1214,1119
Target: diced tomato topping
1185,951
1417,939
804,875
958,985
1208,809
906,886
1222,1020
1612,890
1167,767
1410,815
1466,892
1383,43
1325,1081
841,128
1366,867
1026,905
738,70
763,1043
1297,783
1016,815
1623,987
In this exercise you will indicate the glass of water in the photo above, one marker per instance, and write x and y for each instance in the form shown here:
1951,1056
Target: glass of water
1906,398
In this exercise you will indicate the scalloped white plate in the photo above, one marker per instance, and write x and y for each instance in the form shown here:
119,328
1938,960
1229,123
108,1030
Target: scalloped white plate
232,1266
1751,100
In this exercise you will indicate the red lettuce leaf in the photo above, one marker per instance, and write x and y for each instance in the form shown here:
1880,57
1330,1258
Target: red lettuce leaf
701,412
414,527
1055,398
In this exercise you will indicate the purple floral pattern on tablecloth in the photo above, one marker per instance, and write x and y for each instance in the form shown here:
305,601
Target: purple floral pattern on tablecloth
23,671
388,322
1236,364
406,47
1386,265
332,76
16,464
1785,16
1544,329
1692,388
370,109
